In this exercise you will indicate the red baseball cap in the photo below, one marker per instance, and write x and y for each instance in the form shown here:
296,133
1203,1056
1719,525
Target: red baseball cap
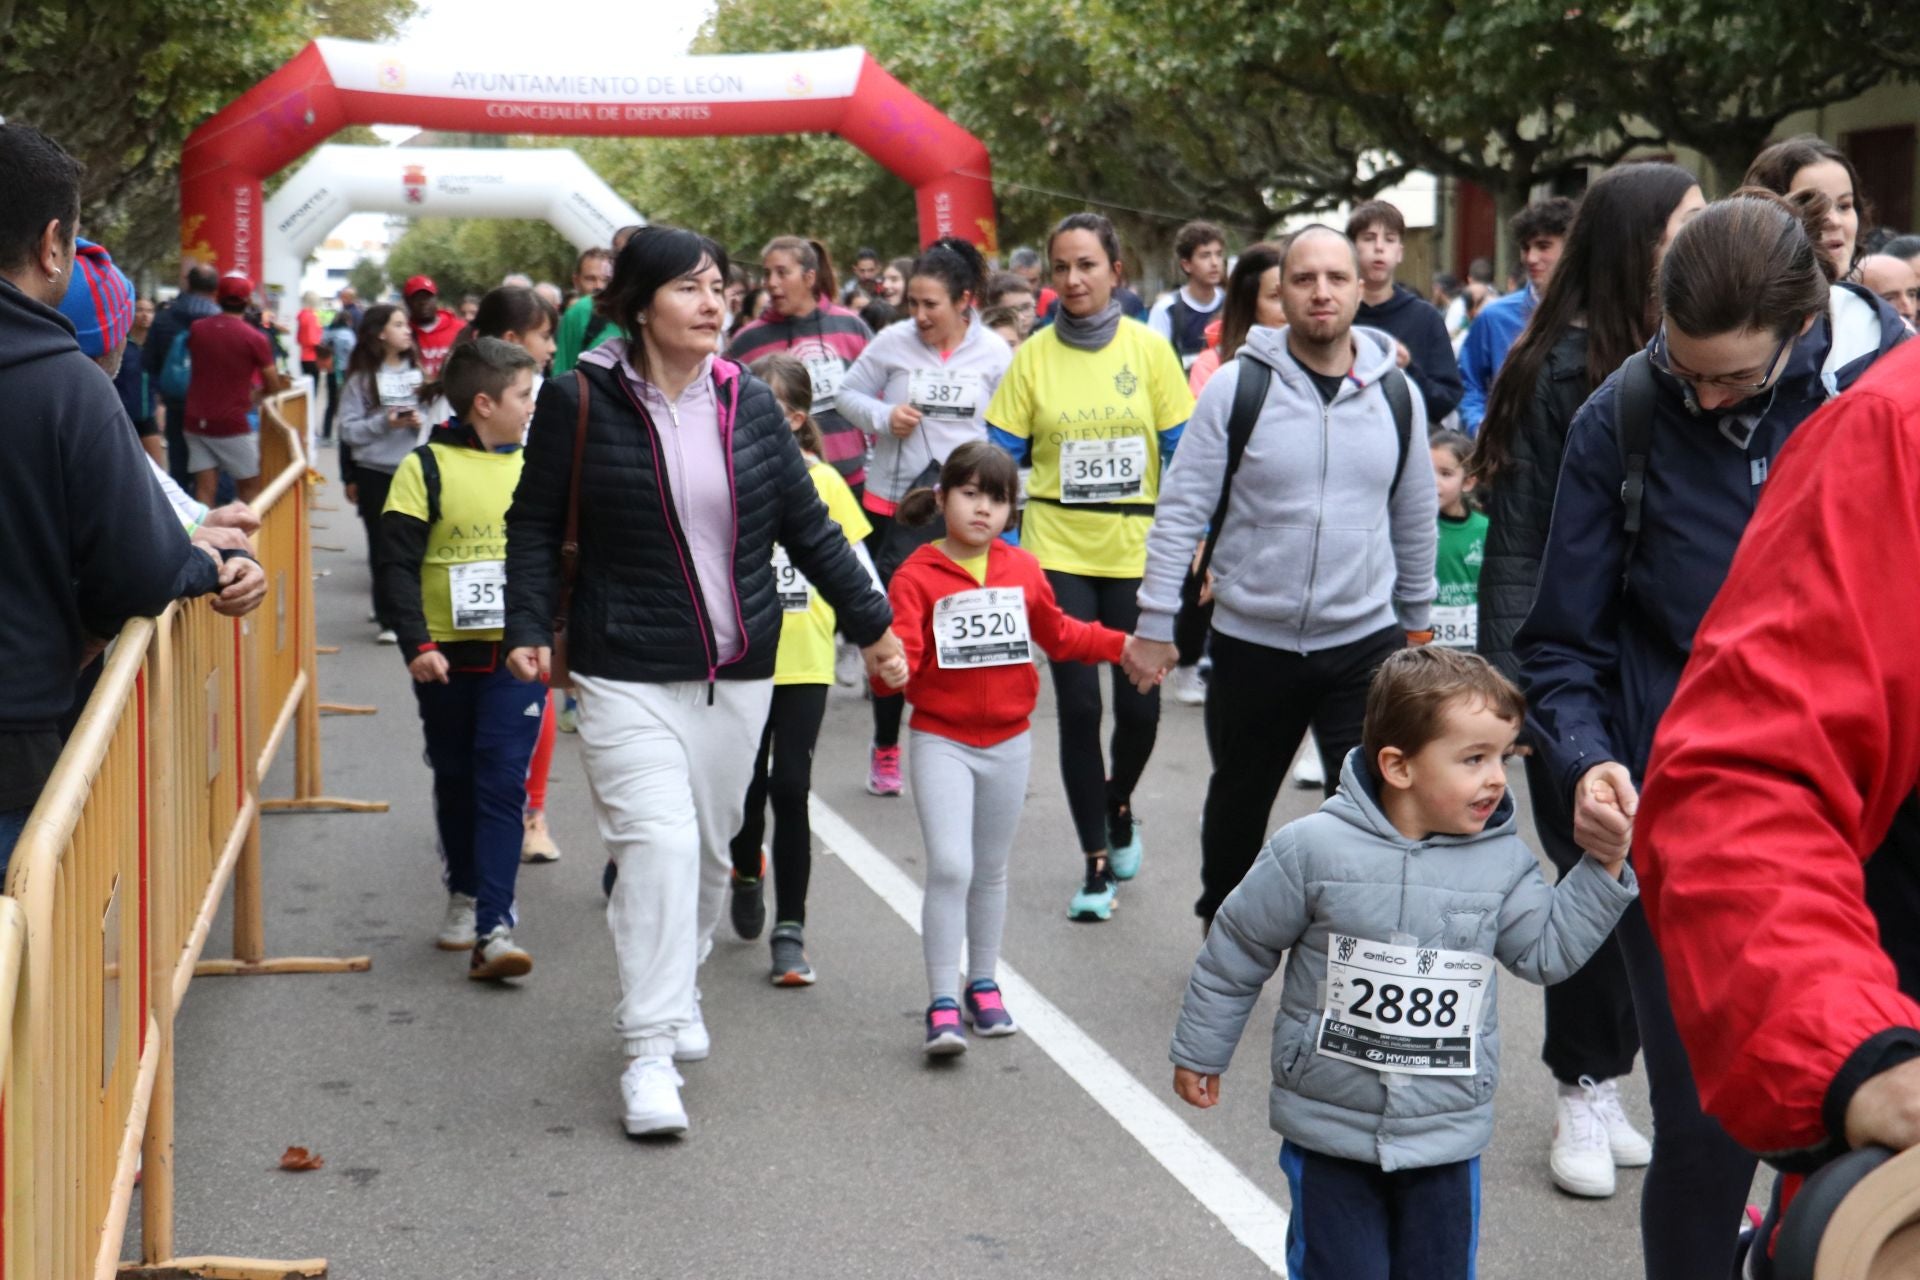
234,285
419,284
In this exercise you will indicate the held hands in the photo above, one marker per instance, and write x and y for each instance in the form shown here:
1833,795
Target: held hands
1195,1089
1147,662
1886,1109
431,667
904,421
1604,804
886,661
534,666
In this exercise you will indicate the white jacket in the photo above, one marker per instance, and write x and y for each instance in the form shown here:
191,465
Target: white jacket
883,377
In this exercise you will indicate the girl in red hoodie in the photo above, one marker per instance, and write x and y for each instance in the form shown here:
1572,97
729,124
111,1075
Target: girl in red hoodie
968,608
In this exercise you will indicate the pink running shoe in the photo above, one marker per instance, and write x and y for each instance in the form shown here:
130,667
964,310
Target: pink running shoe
986,1011
883,772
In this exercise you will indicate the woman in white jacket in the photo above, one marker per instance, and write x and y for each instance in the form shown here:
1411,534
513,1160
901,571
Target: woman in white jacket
919,391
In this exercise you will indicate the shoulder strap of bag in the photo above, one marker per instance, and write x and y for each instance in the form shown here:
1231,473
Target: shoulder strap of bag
430,478
1400,401
1633,431
570,543
1249,394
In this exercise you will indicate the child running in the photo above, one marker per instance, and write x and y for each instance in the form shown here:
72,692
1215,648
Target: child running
1392,905
968,609
802,674
1462,546
445,529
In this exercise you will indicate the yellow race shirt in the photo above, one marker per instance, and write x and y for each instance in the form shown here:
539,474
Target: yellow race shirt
806,628
1094,420
463,579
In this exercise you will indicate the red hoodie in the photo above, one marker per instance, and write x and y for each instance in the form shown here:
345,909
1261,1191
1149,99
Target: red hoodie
981,706
1776,773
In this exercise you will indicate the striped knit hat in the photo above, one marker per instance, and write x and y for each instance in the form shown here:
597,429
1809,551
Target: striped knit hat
99,300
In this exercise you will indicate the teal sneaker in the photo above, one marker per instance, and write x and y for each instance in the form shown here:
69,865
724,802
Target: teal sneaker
1096,897
1123,843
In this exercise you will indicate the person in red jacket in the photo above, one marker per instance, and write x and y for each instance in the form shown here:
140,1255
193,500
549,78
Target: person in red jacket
968,610
1776,839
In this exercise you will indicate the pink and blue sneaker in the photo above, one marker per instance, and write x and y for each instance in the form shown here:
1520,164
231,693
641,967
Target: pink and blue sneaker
986,1011
945,1036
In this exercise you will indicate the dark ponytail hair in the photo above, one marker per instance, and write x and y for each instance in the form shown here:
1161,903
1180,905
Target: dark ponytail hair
1241,310
509,309
977,463
1744,263
1097,223
812,256
793,388
1605,277
955,263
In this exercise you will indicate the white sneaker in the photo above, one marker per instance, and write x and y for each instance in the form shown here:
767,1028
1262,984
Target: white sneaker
1581,1160
386,636
1631,1148
456,931
497,956
1306,770
1189,690
693,1044
849,668
650,1093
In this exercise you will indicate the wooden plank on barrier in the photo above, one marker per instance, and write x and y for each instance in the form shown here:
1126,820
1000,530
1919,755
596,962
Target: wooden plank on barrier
322,804
227,1269
347,709
282,964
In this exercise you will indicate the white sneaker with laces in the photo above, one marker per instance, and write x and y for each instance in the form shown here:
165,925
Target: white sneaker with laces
1581,1160
1189,690
1307,771
497,956
693,1044
1631,1148
650,1094
456,931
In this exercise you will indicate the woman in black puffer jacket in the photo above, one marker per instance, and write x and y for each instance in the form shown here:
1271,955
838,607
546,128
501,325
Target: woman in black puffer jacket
1598,309
688,478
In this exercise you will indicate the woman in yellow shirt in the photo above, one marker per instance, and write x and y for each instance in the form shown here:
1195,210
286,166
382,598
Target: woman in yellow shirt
1095,404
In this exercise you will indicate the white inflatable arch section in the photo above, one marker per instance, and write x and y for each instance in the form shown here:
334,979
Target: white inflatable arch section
555,186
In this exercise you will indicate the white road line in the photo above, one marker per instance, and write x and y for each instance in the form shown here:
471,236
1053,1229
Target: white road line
1242,1207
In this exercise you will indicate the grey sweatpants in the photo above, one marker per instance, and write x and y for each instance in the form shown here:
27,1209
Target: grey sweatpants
969,802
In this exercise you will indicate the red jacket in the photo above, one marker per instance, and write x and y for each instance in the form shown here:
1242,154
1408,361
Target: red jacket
984,705
1793,738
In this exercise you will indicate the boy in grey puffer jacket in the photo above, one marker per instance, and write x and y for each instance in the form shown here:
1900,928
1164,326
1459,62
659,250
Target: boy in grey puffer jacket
1393,904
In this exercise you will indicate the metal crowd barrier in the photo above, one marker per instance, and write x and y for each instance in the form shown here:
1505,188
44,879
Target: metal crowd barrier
152,812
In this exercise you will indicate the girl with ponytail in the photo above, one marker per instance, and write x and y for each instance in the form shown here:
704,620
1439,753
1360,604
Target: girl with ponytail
919,391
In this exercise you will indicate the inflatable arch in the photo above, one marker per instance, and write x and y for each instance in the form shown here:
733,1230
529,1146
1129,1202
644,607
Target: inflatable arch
334,83
554,186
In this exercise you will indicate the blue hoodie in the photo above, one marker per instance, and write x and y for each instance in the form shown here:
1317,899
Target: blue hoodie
1600,662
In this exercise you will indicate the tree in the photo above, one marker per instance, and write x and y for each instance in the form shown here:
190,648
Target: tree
473,255
121,83
368,279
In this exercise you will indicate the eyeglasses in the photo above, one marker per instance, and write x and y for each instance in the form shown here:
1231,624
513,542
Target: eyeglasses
1657,354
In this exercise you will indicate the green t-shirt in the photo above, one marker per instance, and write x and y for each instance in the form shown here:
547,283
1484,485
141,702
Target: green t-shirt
570,341
463,576
1456,608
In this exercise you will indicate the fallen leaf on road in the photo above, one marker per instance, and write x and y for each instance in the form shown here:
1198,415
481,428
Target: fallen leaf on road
300,1160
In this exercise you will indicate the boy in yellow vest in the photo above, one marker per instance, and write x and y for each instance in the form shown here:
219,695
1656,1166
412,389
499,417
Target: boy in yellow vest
445,531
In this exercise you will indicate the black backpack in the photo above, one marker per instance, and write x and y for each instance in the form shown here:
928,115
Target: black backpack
430,477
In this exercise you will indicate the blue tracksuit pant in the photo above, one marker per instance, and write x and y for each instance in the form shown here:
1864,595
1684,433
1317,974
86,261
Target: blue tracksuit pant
1354,1221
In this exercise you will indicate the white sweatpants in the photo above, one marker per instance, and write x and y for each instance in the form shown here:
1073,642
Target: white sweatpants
669,779
969,800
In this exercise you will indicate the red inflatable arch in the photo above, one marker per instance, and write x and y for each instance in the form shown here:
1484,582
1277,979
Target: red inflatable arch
335,83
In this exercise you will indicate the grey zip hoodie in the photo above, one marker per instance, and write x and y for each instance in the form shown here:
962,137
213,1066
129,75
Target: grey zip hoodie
883,377
1314,553
1348,870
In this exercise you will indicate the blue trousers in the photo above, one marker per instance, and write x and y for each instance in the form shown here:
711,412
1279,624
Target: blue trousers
1354,1221
481,728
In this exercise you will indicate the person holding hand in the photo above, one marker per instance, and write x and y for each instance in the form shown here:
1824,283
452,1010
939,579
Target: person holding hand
657,480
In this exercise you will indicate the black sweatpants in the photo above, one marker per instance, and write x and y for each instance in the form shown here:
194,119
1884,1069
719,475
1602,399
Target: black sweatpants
888,546
1095,786
1260,703
783,774
1591,1029
371,489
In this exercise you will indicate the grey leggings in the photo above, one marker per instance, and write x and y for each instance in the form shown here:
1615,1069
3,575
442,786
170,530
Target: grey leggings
969,802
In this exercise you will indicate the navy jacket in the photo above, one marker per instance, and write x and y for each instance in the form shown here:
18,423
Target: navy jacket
169,324
1423,331
1599,660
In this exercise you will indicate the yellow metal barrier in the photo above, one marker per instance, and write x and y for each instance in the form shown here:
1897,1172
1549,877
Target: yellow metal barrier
152,811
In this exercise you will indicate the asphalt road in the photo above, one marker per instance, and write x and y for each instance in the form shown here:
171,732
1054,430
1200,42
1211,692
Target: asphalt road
474,1131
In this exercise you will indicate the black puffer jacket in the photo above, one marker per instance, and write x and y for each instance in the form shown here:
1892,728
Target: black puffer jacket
637,608
1520,510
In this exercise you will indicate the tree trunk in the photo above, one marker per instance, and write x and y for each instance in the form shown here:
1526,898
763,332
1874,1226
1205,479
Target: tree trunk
1509,198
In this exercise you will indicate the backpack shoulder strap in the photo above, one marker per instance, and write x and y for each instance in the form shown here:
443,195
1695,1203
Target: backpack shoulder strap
570,542
1400,400
430,477
1251,382
1633,432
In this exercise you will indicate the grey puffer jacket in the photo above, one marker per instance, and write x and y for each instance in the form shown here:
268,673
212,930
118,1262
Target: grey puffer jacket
1347,870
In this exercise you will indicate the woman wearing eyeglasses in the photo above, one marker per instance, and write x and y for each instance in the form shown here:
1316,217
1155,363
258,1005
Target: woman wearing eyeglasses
1752,339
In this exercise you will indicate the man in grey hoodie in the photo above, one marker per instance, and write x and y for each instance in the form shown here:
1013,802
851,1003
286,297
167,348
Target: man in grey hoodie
1324,564
1394,905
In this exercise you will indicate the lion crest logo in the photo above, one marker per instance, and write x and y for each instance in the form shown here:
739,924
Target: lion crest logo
1124,382
413,179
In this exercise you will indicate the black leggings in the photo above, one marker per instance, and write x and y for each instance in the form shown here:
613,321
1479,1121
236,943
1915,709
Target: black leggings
1094,788
887,545
370,489
793,726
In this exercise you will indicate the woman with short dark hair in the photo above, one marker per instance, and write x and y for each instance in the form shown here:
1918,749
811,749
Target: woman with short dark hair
662,578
